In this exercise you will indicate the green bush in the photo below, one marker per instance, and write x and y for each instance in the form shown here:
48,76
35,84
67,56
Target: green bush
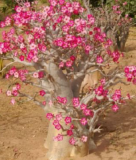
129,8
8,8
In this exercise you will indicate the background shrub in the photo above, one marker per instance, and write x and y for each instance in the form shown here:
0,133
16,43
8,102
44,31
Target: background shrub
130,7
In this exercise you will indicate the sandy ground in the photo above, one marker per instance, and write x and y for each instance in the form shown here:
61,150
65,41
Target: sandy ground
23,127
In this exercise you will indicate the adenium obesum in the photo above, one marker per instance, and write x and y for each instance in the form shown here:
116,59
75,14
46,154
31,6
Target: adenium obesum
62,49
113,20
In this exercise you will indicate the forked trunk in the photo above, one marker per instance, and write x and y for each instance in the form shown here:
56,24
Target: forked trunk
59,150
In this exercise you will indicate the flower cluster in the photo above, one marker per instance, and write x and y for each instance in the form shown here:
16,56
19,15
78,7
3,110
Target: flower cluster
86,114
62,100
130,73
16,73
57,120
15,90
115,55
100,91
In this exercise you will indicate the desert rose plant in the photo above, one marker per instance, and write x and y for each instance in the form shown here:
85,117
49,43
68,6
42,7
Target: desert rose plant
57,51
114,21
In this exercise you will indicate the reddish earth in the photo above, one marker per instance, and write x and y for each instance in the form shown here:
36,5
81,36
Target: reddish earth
23,127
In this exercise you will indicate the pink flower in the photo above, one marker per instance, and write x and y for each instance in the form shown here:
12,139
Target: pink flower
68,120
58,117
50,103
87,112
18,9
16,74
73,58
44,103
27,4
115,56
76,5
69,132
129,76
72,141
83,106
90,33
99,91
35,58
8,93
126,70
83,121
72,126
69,63
65,45
84,138
76,12
32,46
115,7
49,116
18,86
118,92
81,10
103,81
59,19
134,73
35,75
128,95
65,28
115,107
53,2
58,127
15,93
61,2
126,15
71,23
117,95
91,19
61,64
12,101
41,74
21,58
76,102
14,88
42,47
42,93
99,59
22,46
125,3
55,138
79,28
62,100
88,48
56,122
2,24
59,137
66,19
108,43
12,70
7,76
59,42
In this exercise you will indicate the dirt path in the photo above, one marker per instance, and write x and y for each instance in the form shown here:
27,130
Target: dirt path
23,127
